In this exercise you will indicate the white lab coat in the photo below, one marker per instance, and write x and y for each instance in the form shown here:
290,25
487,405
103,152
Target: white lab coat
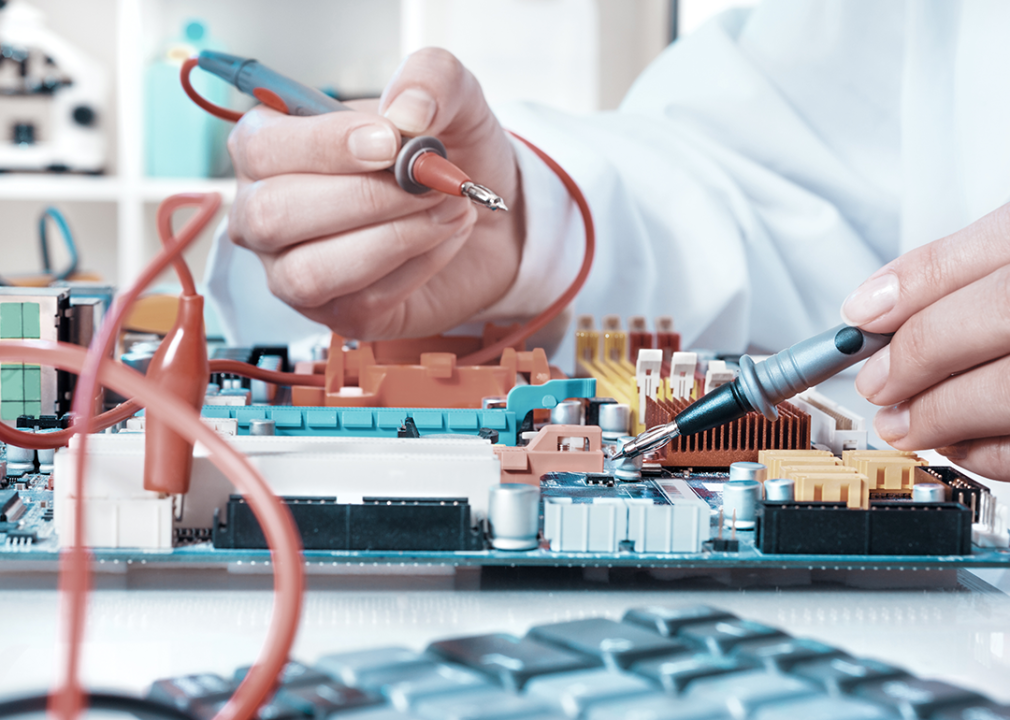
756,173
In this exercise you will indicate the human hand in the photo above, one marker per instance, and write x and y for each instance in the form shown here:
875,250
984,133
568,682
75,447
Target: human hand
343,244
946,375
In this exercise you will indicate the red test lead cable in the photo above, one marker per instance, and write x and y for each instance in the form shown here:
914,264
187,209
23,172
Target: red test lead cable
292,98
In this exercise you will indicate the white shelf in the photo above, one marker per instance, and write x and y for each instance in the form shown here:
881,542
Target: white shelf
157,189
59,188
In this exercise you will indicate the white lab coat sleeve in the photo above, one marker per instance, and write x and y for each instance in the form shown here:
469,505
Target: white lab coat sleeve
732,190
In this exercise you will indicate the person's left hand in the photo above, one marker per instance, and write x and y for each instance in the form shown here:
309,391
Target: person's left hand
946,375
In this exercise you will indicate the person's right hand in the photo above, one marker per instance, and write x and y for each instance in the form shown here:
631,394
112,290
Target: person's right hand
343,244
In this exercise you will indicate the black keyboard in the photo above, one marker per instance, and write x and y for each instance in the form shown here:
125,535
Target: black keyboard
658,663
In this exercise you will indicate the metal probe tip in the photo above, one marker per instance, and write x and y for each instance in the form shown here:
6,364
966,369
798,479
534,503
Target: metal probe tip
483,196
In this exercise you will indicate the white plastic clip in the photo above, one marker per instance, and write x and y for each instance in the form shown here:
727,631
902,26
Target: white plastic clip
682,368
647,370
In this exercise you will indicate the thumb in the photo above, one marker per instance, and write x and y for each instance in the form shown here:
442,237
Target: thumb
432,93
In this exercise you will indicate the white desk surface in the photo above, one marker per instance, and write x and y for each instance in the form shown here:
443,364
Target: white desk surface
148,624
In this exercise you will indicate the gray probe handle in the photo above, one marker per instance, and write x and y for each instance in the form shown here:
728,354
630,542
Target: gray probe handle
301,99
804,365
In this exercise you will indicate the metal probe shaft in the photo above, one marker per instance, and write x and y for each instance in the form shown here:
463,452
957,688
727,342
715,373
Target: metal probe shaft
762,386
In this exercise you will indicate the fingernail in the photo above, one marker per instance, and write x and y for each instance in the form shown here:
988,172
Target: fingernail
873,376
372,143
957,451
412,111
892,422
869,301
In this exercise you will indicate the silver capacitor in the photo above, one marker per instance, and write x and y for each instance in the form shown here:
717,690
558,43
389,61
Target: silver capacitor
929,492
740,499
780,490
514,516
568,412
262,426
20,460
748,471
614,418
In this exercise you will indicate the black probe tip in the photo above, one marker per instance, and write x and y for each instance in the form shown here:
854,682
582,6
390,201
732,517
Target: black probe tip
723,405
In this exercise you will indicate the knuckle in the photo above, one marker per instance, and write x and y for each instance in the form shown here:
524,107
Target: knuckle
450,69
296,282
1001,223
260,220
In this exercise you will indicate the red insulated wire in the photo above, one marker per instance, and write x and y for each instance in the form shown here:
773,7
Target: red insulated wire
276,521
235,367
558,306
215,110
59,438
67,703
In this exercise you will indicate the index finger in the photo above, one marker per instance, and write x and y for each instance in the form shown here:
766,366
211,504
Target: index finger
922,276
266,143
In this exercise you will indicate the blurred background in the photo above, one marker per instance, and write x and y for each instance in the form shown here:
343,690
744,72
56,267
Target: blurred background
98,127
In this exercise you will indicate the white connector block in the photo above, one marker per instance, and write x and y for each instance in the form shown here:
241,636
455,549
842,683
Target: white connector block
682,369
832,425
648,367
348,468
599,526
994,531
718,374
602,525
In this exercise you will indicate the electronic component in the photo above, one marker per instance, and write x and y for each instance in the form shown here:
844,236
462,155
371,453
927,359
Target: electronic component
831,425
556,448
513,516
369,422
929,493
739,441
33,314
386,523
568,412
120,513
886,528
662,517
613,418
739,502
780,490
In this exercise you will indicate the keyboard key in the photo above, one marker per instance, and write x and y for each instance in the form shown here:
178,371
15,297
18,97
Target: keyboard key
367,668
617,644
574,693
406,689
668,621
491,704
274,710
974,711
744,693
677,673
916,698
510,660
322,699
659,706
380,713
844,674
722,636
294,673
823,708
182,692
781,654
